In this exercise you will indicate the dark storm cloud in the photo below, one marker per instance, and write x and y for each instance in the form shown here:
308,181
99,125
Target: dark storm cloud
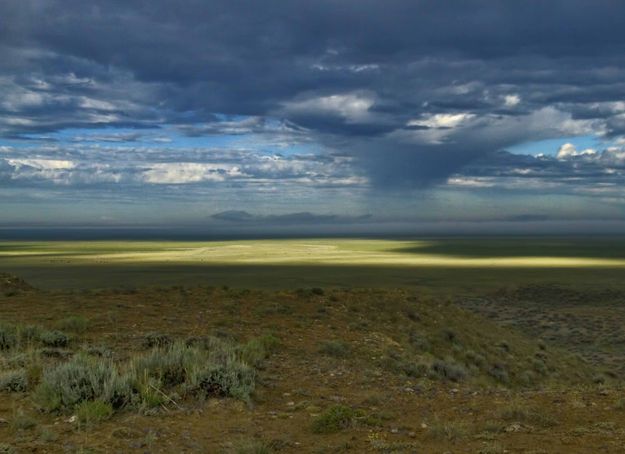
413,91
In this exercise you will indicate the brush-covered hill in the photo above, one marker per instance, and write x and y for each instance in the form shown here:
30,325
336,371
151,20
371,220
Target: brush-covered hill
12,284
208,369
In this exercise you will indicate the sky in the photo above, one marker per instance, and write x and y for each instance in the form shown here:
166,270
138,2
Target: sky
327,115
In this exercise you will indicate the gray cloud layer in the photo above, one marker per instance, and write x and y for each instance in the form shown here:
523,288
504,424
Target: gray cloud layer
398,95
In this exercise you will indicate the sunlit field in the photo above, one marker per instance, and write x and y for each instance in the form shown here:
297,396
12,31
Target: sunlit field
436,263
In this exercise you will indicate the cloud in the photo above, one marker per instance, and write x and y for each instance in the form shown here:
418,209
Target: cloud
442,120
137,168
583,172
249,125
352,107
189,172
41,164
511,100
384,97
568,150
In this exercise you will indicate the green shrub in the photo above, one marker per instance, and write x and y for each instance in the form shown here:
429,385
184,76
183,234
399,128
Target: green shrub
6,448
56,353
419,342
8,337
504,345
539,366
250,447
150,393
475,358
527,378
156,340
74,324
449,370
269,342
492,448
334,419
499,373
14,381
255,351
47,435
22,369
168,365
79,380
216,371
200,341
19,336
22,421
29,334
233,379
119,390
336,348
93,412
450,336
518,412
98,350
447,430
55,339
414,369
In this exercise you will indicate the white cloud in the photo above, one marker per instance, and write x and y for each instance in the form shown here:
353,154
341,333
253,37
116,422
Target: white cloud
96,104
442,120
189,172
568,150
353,107
613,107
54,170
511,100
350,68
470,182
42,164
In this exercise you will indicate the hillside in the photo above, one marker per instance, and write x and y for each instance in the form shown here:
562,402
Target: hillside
311,370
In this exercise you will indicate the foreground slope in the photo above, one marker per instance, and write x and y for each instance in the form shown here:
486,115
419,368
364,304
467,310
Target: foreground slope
310,370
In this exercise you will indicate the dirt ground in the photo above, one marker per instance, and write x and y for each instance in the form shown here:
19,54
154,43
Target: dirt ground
395,412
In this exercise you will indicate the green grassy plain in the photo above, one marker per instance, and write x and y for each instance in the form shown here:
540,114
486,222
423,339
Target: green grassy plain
440,265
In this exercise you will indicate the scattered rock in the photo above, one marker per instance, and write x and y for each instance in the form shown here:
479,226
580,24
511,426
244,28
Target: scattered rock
515,427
